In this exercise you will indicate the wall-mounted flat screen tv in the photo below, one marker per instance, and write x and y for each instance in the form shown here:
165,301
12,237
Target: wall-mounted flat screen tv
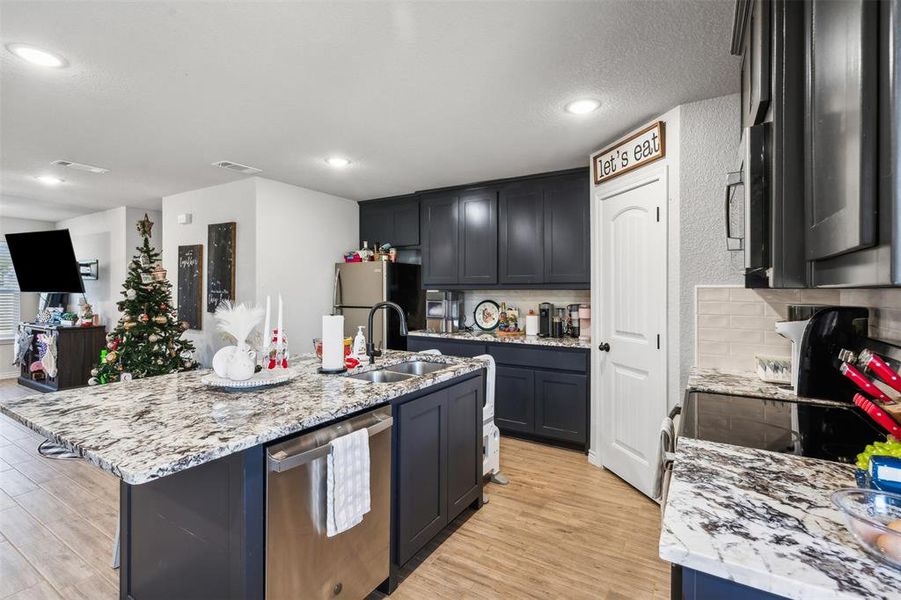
44,261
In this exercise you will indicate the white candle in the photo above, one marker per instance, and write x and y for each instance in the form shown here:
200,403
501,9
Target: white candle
267,332
333,342
279,336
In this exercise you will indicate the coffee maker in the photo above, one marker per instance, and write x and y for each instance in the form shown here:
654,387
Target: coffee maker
545,319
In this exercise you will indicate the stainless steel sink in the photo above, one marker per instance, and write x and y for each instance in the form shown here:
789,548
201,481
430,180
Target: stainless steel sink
417,367
381,376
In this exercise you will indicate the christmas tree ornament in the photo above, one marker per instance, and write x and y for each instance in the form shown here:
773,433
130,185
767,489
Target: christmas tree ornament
158,273
129,325
160,320
111,357
153,337
131,294
125,377
144,318
93,381
94,372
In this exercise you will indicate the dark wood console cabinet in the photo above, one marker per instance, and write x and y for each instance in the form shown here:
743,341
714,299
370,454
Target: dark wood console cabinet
77,351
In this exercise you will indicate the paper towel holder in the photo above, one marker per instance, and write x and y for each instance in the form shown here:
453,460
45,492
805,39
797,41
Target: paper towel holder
331,371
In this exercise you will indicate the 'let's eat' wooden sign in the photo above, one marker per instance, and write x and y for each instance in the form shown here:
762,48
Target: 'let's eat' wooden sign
644,147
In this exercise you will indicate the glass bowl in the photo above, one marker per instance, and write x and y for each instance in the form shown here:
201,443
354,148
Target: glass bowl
874,519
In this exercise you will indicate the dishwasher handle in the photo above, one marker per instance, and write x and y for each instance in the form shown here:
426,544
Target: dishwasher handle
281,462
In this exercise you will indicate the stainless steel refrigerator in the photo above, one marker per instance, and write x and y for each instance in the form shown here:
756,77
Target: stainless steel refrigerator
358,286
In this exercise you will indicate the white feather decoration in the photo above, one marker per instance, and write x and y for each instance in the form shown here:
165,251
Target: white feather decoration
238,321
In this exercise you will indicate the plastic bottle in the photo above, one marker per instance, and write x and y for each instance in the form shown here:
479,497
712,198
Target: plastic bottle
359,346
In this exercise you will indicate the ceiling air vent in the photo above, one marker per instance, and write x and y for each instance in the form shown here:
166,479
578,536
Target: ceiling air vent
236,167
80,166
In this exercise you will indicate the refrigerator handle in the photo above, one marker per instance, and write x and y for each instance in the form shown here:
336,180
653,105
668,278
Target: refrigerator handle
336,296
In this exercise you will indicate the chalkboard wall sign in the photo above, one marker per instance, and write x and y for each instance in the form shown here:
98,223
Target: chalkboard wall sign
190,285
220,264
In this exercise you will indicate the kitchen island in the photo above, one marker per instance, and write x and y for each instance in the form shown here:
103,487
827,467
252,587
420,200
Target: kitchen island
192,461
746,523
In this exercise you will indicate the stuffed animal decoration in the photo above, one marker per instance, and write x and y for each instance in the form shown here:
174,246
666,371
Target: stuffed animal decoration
237,362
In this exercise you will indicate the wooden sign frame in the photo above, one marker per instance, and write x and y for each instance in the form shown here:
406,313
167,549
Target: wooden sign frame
190,285
596,172
220,281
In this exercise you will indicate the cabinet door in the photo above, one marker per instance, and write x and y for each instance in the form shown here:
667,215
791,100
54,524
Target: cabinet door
406,223
376,223
514,399
841,132
521,234
464,445
755,34
421,459
561,406
478,237
567,237
440,238
446,347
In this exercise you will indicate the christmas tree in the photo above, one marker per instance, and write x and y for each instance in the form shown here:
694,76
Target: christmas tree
147,340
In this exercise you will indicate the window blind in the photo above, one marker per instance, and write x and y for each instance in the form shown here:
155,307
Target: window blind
9,295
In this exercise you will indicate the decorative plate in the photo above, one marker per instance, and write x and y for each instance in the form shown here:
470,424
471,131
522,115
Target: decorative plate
264,378
487,315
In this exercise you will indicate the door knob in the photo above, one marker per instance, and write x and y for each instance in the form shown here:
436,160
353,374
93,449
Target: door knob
605,347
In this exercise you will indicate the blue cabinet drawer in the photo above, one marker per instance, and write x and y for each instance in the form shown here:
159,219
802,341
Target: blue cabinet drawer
541,358
448,347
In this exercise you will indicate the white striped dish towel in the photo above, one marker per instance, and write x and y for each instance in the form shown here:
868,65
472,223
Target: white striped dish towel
347,485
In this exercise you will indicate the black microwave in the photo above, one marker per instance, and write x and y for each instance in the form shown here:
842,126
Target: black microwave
747,206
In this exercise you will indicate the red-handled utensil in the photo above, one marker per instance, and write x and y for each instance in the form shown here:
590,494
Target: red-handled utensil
863,382
878,415
871,361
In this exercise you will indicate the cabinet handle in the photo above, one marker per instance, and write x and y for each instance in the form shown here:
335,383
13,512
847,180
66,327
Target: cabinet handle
605,347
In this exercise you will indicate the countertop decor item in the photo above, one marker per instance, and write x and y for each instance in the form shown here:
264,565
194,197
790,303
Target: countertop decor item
236,362
874,518
264,378
487,315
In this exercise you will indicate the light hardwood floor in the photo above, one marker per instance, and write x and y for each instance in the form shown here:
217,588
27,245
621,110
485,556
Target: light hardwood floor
560,529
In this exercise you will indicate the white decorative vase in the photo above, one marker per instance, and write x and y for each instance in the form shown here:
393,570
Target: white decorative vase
242,364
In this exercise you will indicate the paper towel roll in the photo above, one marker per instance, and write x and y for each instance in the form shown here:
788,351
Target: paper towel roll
332,342
531,324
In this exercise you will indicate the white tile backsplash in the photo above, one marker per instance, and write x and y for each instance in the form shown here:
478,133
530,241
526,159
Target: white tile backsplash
733,324
524,300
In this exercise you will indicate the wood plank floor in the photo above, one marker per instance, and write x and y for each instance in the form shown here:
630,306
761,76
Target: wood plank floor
560,529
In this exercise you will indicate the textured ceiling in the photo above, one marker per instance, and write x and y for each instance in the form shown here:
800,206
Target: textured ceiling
417,95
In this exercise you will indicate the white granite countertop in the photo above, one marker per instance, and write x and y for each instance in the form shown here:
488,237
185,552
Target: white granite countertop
153,427
714,381
766,520
486,336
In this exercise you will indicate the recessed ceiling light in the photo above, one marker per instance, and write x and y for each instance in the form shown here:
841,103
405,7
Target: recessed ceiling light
337,161
49,180
581,107
36,56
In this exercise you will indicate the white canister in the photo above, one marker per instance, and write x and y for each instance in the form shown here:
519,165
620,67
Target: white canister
332,342
531,324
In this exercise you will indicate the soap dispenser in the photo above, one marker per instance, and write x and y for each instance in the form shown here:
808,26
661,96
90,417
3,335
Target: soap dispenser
359,347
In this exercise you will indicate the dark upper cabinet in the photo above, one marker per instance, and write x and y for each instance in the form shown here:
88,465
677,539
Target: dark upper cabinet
751,39
392,220
521,233
514,399
560,409
478,237
567,233
841,126
421,472
438,462
440,234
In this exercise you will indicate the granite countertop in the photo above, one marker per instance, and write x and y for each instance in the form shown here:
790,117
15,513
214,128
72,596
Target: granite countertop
153,427
714,381
766,520
486,336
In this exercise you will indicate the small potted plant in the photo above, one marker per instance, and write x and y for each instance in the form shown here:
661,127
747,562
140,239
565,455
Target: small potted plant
67,319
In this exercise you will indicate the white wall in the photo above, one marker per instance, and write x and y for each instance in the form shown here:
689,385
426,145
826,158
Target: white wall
108,236
709,149
301,234
28,307
234,201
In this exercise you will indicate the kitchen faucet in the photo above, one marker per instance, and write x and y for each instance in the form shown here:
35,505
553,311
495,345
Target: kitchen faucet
370,345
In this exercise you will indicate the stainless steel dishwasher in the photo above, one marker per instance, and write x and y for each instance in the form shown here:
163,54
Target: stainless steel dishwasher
301,561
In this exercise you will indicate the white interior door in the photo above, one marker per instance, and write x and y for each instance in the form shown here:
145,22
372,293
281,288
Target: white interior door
632,317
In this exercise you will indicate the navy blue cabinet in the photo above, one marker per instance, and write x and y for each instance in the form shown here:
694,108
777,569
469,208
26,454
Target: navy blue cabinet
440,233
567,233
392,220
514,399
437,462
540,392
521,239
478,238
